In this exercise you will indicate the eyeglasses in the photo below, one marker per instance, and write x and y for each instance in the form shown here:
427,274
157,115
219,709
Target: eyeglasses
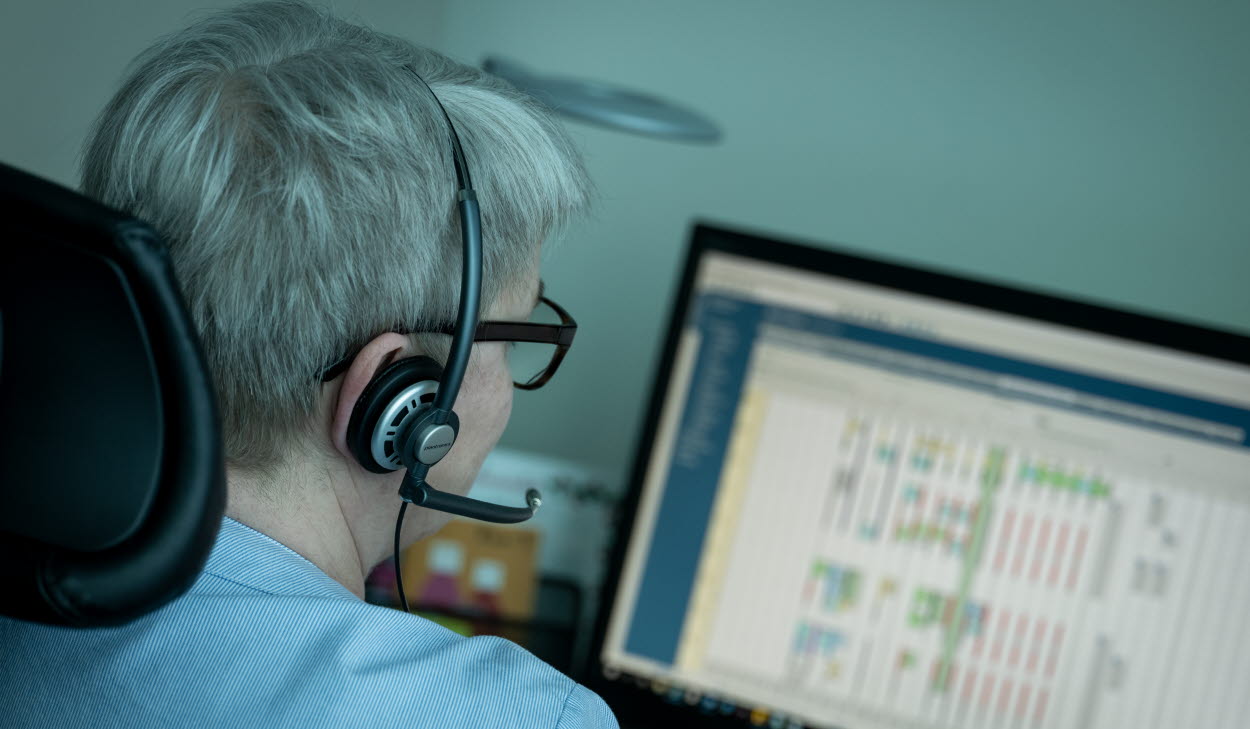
537,346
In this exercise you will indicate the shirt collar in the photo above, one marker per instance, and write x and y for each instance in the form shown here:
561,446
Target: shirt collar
247,557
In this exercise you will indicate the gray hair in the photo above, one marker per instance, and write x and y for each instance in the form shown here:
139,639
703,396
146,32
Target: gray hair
303,179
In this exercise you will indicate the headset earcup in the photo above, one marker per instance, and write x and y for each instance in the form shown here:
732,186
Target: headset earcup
377,398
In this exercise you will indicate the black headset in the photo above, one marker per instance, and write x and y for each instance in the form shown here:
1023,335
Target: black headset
404,416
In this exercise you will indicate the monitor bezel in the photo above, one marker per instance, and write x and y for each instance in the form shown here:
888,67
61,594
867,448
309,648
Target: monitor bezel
644,705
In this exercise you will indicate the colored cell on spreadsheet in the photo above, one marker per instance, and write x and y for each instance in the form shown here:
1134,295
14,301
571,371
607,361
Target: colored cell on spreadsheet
1035,648
1017,641
987,690
970,679
1004,540
949,606
1078,558
1061,548
800,638
1026,534
978,643
1022,701
1039,553
1039,711
974,616
906,659
812,640
941,682
996,644
1056,645
841,586
925,608
1004,698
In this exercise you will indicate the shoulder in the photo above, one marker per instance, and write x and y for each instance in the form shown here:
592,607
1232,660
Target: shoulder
241,658
348,663
584,708
363,665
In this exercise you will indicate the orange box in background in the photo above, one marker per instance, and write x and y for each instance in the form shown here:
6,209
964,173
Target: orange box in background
474,568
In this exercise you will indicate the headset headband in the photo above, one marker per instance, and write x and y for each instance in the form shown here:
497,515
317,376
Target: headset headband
470,273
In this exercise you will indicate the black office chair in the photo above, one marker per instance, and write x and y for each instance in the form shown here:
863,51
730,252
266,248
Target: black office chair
112,482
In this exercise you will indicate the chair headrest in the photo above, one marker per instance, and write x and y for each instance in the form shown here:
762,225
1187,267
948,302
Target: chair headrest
112,482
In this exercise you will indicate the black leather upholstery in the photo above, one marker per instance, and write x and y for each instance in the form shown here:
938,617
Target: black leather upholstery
112,482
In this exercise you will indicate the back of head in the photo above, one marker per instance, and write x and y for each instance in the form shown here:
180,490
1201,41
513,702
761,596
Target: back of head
303,179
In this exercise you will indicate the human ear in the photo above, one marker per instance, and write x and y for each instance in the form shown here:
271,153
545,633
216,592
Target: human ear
377,354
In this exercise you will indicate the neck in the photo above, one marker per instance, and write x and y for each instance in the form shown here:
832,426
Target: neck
310,520
341,521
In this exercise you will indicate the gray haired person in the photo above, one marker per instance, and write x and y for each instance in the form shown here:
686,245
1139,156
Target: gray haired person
302,176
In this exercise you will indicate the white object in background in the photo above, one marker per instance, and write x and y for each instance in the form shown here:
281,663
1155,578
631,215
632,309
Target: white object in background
445,557
608,105
488,576
575,520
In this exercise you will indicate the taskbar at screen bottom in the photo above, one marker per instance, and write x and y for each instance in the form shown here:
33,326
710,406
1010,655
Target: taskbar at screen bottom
702,702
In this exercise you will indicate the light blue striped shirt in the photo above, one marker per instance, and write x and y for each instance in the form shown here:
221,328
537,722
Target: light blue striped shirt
266,639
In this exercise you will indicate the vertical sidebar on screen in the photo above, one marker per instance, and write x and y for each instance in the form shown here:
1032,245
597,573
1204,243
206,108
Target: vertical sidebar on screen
727,330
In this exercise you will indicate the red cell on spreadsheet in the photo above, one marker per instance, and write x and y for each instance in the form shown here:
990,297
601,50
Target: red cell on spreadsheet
996,650
1056,644
1039,554
1026,533
1004,539
987,690
1078,556
1039,711
1013,657
970,679
1022,700
1035,650
1004,697
1061,547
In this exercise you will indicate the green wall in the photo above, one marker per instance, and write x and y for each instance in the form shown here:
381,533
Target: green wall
61,60
1093,152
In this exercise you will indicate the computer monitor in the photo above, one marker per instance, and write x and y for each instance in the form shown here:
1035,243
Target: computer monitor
872,496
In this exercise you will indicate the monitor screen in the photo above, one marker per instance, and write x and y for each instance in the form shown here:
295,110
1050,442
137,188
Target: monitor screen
872,496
